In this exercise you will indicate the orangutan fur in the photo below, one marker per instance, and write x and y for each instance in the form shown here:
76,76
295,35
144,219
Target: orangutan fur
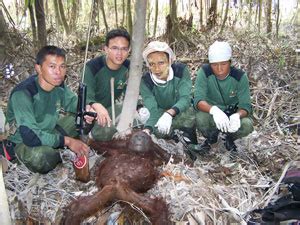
128,171
138,143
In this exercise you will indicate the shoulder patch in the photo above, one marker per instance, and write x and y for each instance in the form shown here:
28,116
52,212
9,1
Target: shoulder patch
28,85
236,73
126,63
178,69
148,81
207,70
95,64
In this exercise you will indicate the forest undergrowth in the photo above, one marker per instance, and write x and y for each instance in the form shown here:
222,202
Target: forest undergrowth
217,189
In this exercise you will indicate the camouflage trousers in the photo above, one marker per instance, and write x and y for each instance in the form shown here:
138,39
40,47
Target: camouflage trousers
206,125
43,159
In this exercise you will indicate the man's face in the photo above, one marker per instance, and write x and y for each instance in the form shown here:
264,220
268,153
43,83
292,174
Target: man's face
221,69
51,72
117,52
159,64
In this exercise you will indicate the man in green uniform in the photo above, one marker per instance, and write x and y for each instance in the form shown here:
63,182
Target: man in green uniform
34,111
166,93
222,98
98,75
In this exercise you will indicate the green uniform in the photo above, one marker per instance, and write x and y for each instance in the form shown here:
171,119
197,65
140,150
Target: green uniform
234,90
97,78
39,130
175,94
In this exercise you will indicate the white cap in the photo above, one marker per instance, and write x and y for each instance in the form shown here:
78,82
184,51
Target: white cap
158,46
219,51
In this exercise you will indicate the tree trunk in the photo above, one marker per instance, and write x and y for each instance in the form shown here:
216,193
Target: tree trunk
123,13
225,16
277,17
172,22
201,14
249,15
222,11
148,18
206,10
155,18
136,65
33,24
116,12
57,16
74,15
212,15
269,17
63,17
259,14
17,10
103,15
41,23
4,38
129,17
95,12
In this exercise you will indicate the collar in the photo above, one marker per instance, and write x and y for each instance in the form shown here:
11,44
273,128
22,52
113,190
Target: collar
158,82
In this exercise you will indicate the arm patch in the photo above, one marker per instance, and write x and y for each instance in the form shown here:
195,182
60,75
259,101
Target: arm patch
236,73
95,64
148,81
207,70
178,69
29,137
28,85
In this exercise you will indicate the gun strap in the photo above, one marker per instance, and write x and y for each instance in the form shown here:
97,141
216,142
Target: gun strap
221,92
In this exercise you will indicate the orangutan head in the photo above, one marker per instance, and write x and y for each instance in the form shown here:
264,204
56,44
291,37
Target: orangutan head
139,142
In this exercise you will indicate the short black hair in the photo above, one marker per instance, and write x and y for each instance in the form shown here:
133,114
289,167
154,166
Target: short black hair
49,50
119,32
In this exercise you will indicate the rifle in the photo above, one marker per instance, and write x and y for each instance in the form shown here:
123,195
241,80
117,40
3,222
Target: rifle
82,127
81,163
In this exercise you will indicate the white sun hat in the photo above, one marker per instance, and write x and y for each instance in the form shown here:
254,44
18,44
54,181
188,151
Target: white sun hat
158,46
219,51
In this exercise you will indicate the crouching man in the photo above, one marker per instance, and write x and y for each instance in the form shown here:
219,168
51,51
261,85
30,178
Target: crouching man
34,111
222,98
166,93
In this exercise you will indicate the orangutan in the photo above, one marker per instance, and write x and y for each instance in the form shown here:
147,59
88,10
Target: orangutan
128,170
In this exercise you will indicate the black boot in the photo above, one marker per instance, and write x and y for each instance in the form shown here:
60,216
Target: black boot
189,135
206,145
229,144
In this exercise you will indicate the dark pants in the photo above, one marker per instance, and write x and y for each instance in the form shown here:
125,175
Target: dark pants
42,159
206,125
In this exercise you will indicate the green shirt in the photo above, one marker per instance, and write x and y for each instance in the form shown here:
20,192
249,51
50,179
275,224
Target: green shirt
175,94
34,113
234,89
97,78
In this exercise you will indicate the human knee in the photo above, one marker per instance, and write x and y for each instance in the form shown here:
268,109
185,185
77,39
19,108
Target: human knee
204,121
44,163
103,133
40,159
246,127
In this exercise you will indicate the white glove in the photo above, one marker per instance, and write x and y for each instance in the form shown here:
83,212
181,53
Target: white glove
234,123
144,114
220,118
164,123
